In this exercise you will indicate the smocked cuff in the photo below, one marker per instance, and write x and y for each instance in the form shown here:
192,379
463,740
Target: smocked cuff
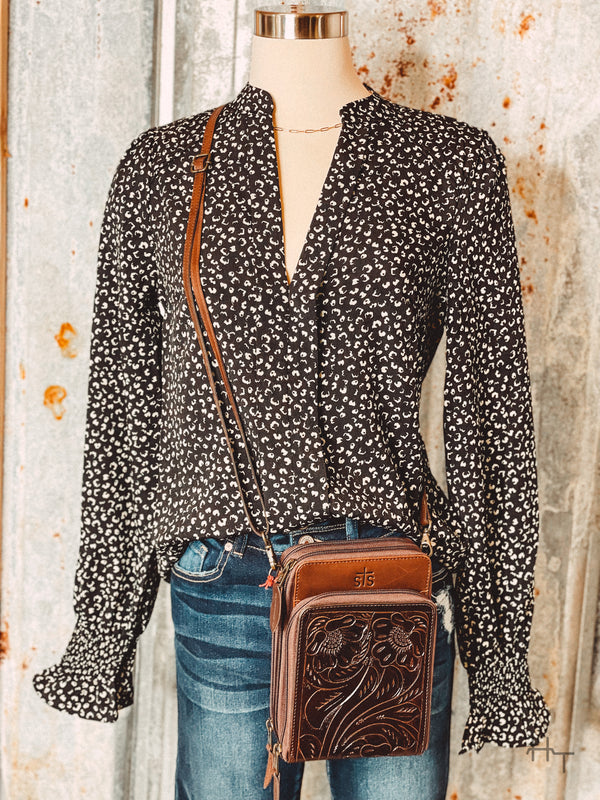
504,707
94,678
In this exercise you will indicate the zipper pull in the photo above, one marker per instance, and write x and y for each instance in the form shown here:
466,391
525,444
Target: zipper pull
268,583
275,615
277,599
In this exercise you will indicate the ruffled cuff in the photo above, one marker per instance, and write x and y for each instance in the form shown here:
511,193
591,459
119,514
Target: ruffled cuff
504,707
94,678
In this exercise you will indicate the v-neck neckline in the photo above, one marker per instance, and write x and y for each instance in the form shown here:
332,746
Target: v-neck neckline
339,146
279,210
345,114
252,111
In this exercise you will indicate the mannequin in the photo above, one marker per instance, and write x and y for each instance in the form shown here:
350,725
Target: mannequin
301,55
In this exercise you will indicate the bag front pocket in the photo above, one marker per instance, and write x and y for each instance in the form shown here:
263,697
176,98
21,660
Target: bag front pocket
354,675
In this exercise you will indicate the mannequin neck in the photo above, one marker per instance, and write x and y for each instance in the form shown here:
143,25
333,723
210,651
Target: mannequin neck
309,79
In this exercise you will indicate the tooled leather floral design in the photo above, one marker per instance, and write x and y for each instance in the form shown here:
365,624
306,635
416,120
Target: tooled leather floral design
335,647
383,659
400,639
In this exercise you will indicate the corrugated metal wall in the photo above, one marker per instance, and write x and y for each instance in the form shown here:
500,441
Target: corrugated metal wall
82,84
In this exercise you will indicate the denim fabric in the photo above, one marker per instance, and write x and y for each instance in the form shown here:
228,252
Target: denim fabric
222,649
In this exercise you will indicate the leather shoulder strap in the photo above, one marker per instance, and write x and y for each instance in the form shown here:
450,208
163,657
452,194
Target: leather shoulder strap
199,311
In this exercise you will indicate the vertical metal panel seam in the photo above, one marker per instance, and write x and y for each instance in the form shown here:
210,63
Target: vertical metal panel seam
4,13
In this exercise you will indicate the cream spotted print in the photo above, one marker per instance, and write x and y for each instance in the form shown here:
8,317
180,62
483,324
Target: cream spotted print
412,236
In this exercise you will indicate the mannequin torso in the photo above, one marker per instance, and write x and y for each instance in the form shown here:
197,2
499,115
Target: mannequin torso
292,71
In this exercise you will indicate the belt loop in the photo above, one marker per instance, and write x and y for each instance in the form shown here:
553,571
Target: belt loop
351,528
239,544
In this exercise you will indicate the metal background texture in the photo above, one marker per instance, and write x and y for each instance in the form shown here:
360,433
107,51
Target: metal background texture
82,84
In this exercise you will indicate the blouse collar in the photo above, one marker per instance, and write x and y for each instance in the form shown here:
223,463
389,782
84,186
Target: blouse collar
252,101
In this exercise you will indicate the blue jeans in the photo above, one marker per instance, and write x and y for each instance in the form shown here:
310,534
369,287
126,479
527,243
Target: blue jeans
222,650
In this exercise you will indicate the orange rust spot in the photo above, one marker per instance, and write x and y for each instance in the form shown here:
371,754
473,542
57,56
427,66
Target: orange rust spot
26,202
453,796
65,340
518,797
53,397
527,289
410,39
535,591
436,7
506,102
530,212
4,641
435,103
541,149
449,80
91,223
403,66
542,125
520,187
21,370
526,23
56,535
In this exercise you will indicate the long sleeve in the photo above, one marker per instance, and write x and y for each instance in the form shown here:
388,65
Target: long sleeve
116,579
491,461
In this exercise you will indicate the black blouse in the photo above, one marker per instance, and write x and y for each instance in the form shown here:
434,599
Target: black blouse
412,235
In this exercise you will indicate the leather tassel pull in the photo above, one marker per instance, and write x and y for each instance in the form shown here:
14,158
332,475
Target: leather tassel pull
270,768
272,771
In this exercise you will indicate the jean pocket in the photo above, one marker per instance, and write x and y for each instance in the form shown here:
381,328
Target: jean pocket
203,560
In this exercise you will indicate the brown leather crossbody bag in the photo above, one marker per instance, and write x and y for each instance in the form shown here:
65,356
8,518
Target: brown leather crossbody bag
353,622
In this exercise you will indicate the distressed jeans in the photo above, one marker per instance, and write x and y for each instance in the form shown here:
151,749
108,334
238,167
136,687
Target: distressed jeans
222,651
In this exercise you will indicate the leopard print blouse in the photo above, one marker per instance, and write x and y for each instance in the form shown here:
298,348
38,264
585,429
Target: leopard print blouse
412,236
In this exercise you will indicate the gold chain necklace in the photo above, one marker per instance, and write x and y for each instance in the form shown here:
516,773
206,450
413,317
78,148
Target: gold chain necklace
308,130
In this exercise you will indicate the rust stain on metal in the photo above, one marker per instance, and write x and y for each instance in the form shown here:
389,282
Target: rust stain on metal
21,370
53,397
530,212
65,338
506,102
4,641
436,7
525,25
404,66
26,202
449,80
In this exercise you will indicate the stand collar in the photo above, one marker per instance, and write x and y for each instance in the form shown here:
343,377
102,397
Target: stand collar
252,101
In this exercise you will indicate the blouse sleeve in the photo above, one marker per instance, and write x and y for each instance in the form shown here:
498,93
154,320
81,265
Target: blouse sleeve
116,578
491,462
